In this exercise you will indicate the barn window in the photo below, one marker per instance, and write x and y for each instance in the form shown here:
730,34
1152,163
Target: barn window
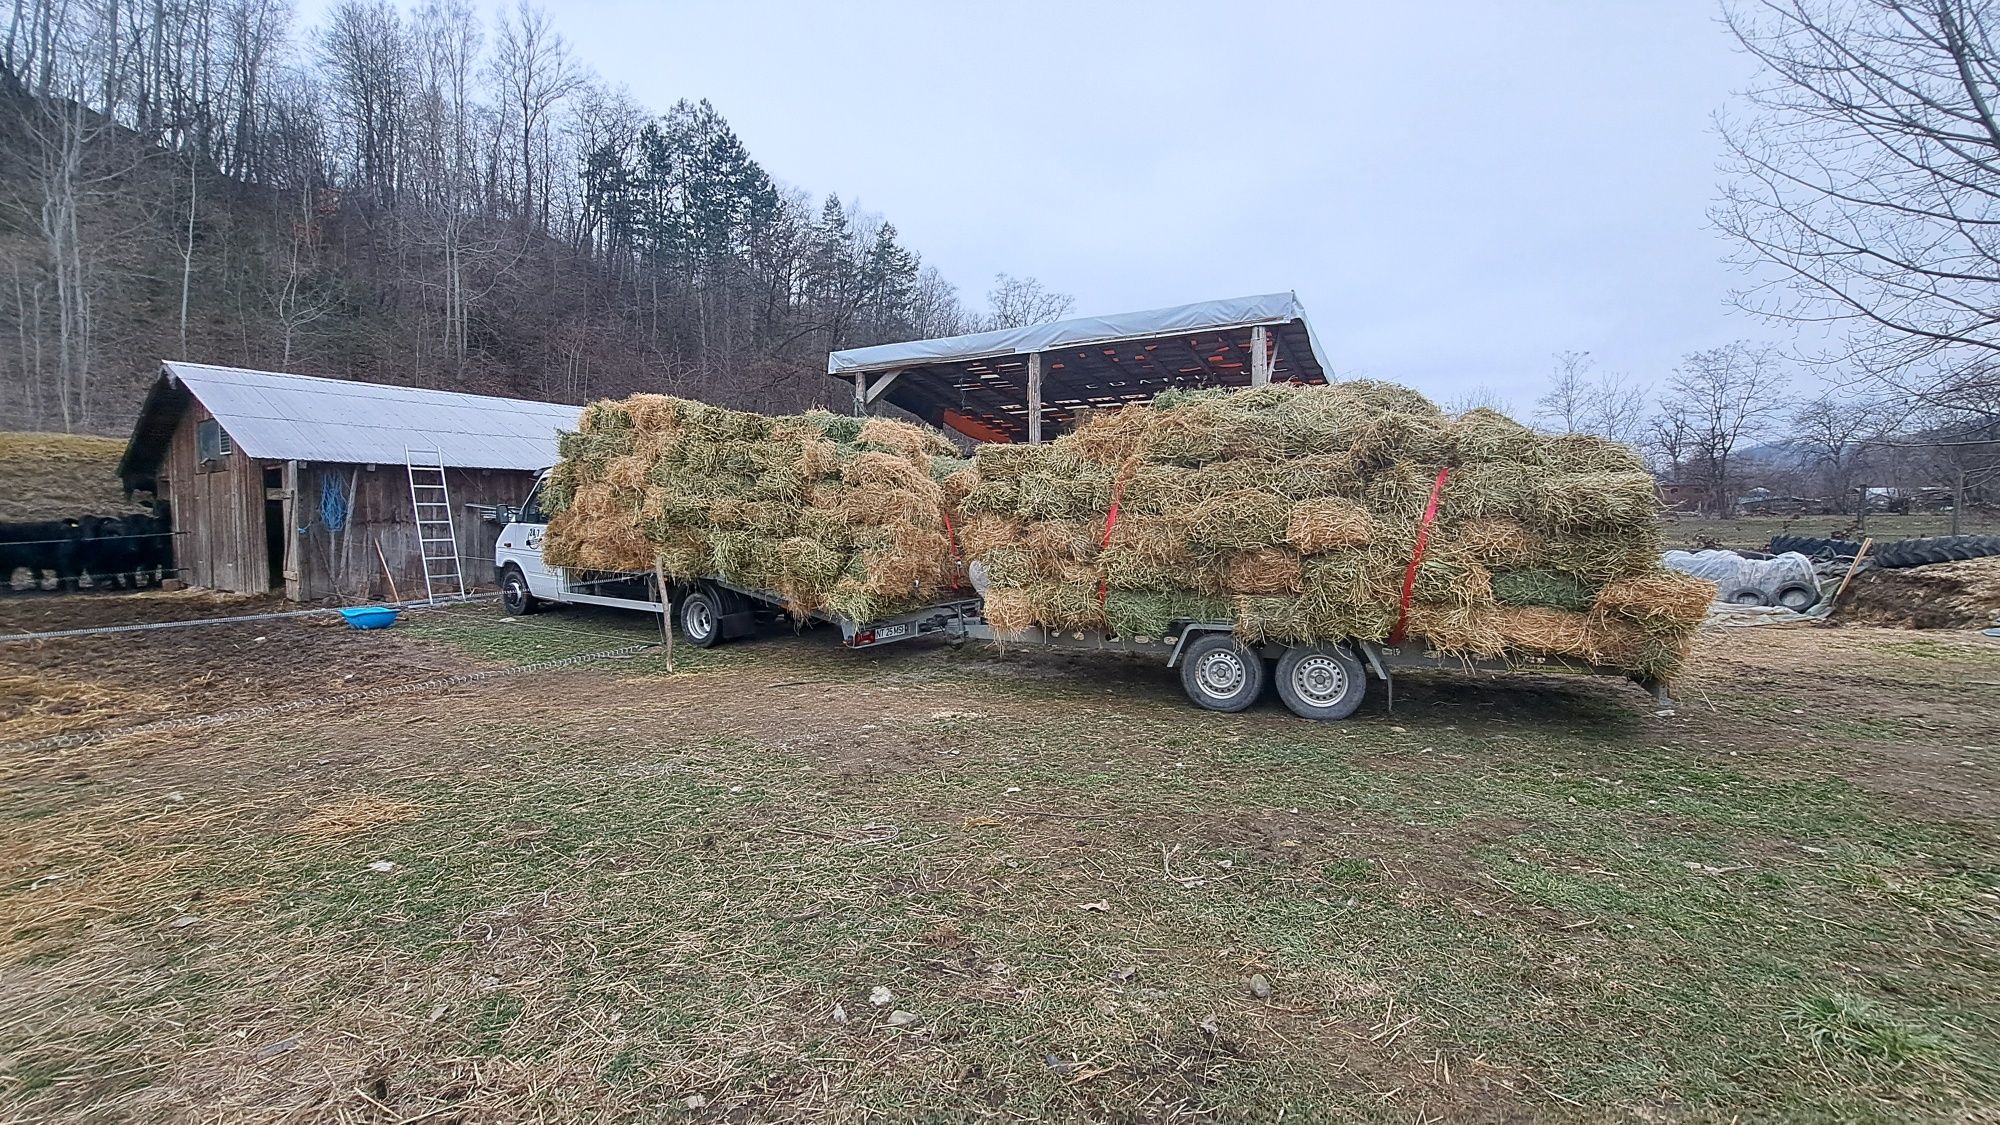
212,440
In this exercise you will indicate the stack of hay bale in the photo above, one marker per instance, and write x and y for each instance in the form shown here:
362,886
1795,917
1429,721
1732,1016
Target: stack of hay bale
832,513
1294,512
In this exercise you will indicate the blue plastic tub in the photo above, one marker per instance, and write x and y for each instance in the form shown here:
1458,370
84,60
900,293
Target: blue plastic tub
371,616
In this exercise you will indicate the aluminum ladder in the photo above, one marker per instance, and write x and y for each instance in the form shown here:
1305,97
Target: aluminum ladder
437,539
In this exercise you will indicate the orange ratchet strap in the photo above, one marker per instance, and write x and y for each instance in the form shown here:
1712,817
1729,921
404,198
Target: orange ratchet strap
1416,557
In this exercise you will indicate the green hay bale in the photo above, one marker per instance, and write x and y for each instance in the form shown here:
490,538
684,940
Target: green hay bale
1549,588
810,562
745,559
1594,500
1588,453
833,427
1010,567
1083,494
1238,521
1150,613
1391,397
1483,435
1480,491
1598,557
1313,476
1126,568
1065,606
1159,490
993,496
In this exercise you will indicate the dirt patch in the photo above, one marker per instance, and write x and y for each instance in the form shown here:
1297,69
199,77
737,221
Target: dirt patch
1906,715
1953,595
48,612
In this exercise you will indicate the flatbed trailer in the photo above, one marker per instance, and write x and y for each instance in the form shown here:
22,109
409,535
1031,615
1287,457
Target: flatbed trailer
1218,671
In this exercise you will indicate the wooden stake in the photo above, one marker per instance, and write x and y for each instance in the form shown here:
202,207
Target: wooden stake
1849,576
386,572
666,612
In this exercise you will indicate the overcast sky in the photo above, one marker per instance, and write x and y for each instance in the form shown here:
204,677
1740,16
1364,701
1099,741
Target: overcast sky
1454,194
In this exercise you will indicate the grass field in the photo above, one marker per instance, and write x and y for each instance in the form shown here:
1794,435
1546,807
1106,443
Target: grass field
603,891
1756,532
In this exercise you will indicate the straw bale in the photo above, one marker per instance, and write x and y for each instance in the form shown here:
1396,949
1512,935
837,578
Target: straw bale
1493,540
1565,501
1329,524
1589,453
1266,570
1111,438
1393,397
1662,601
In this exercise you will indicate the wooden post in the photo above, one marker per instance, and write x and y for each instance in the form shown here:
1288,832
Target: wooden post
293,560
1035,398
1260,357
1957,501
860,394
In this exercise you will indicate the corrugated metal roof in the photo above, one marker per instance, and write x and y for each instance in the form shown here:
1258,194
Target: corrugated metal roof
1179,320
275,416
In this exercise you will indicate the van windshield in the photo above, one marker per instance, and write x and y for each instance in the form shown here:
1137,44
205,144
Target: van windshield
531,508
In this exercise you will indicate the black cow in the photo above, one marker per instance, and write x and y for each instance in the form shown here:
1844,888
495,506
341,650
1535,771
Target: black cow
124,552
40,546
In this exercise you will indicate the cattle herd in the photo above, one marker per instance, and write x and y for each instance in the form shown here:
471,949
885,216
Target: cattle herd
108,552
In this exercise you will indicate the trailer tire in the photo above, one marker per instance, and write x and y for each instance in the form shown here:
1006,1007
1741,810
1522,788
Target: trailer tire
1219,673
1321,681
701,619
515,597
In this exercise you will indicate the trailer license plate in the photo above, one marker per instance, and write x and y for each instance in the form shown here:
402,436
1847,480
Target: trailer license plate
890,632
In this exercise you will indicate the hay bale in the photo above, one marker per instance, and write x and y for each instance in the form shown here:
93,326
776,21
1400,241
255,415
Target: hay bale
821,510
1534,587
1266,570
1664,601
1330,524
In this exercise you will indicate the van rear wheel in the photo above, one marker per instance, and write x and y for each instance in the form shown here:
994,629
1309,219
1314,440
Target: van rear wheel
701,619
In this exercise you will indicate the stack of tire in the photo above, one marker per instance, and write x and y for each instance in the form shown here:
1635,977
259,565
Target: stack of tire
1901,553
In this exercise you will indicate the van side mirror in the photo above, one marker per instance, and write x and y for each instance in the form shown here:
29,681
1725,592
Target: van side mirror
507,513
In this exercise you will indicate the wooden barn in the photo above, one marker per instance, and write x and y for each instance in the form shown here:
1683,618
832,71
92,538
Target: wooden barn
290,482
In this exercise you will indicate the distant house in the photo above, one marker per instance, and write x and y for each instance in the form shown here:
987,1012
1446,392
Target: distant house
1677,496
289,482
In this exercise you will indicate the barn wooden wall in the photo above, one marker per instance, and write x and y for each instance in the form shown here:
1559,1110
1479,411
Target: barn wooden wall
217,511
341,562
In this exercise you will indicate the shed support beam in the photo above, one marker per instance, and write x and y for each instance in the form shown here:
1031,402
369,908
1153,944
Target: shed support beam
1035,398
1260,357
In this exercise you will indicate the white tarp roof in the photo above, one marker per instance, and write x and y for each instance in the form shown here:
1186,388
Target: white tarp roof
275,416
1202,316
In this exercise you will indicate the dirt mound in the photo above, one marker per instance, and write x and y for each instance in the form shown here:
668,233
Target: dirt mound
59,476
1953,595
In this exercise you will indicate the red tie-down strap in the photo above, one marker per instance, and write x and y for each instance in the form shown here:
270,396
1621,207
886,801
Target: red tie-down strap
1110,521
951,537
1416,557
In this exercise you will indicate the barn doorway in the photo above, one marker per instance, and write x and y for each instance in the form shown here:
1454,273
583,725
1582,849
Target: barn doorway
274,527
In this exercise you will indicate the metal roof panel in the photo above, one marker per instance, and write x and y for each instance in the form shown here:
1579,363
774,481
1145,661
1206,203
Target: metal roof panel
277,416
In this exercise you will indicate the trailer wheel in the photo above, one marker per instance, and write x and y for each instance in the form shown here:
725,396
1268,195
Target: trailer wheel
1321,681
701,619
515,597
1220,674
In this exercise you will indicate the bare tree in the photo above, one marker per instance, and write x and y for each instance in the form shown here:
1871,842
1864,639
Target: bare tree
1015,302
1479,397
298,295
1866,184
1567,402
1833,435
1716,401
533,71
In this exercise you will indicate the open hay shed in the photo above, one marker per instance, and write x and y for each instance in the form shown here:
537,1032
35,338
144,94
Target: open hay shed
290,482
1025,384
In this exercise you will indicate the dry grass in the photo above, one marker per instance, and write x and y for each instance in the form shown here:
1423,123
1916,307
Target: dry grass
639,893
58,476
